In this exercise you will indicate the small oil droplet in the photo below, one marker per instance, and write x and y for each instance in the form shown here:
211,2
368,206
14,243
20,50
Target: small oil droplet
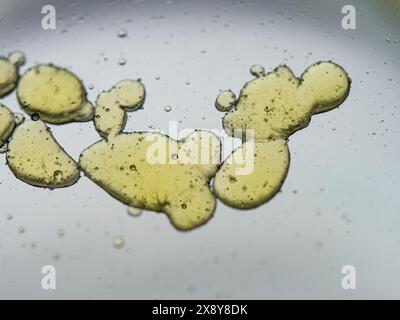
257,70
122,33
225,100
19,118
118,242
17,58
134,212
58,175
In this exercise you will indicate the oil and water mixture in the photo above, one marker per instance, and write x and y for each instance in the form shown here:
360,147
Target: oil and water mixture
150,170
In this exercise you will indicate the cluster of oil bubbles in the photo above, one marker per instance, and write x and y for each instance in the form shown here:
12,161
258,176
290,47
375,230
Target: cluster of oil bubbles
121,163
389,40
150,170
274,106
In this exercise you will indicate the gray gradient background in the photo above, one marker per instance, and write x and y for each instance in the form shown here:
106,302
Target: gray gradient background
338,206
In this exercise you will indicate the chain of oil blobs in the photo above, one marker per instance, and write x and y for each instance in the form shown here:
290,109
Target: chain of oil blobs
273,105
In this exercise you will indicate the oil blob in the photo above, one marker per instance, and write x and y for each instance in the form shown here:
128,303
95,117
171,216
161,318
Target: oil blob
273,106
35,157
138,169
4,148
271,163
257,70
134,212
7,124
9,71
54,94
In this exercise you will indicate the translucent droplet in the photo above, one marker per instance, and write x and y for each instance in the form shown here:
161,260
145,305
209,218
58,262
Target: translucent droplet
388,40
9,216
21,229
167,108
4,148
122,33
19,118
134,212
225,100
257,70
118,242
17,58
35,157
91,86
122,61
58,175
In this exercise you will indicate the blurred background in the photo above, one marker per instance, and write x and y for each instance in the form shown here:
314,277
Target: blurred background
338,205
